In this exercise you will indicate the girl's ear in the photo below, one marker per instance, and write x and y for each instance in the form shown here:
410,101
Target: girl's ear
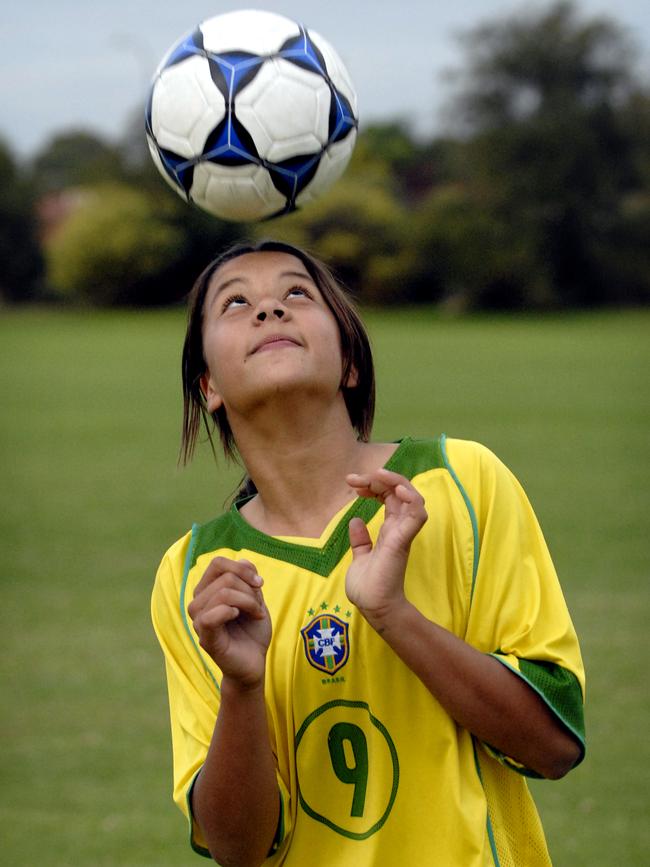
213,399
352,379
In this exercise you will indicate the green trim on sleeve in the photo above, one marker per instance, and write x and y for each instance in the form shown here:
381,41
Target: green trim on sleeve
470,509
560,690
279,834
200,850
189,562
488,822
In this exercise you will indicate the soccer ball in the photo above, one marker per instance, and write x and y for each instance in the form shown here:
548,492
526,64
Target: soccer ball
251,115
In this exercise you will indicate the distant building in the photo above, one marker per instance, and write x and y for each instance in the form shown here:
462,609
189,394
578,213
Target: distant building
53,209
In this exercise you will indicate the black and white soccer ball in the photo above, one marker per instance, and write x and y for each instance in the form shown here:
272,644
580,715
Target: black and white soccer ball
251,115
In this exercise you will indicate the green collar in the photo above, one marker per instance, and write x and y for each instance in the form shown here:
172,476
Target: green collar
231,530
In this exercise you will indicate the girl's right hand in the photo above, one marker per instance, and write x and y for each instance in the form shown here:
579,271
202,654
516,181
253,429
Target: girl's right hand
231,619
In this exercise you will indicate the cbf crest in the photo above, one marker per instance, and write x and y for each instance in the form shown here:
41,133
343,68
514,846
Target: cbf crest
327,642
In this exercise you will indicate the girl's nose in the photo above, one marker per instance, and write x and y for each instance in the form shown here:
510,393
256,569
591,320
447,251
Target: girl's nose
270,308
262,314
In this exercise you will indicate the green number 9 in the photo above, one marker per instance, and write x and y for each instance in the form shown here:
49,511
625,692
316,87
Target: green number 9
357,774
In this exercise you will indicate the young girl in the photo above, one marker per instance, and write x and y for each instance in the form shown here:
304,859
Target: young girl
370,651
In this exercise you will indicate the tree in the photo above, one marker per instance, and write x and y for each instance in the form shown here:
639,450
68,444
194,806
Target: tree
125,246
410,166
76,158
359,228
22,262
542,102
462,253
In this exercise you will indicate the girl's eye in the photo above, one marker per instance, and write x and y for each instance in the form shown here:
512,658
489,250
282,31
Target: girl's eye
298,292
233,301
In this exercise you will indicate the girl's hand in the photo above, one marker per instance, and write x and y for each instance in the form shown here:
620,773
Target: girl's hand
375,579
231,619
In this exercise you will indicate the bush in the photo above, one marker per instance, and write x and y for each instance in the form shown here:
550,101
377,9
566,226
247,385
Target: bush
111,249
464,255
358,229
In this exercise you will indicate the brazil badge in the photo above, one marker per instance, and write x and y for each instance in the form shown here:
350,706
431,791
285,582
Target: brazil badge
327,643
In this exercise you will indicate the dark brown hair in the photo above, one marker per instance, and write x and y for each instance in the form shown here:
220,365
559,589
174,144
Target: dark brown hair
355,351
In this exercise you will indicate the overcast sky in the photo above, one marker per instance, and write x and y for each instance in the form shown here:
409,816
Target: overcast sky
87,63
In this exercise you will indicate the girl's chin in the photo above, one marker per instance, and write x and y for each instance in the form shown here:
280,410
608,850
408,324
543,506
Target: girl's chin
285,392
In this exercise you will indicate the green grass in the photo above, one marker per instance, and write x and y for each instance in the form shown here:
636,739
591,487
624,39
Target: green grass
91,497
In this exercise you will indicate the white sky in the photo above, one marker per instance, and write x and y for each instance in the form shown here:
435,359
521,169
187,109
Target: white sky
86,63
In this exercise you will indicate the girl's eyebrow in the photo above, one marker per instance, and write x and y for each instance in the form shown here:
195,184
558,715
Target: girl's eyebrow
302,275
223,286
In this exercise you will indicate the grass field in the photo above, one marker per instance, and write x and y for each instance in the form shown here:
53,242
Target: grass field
91,497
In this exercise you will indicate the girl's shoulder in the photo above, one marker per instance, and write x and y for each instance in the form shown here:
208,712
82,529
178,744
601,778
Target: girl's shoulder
171,566
416,455
468,453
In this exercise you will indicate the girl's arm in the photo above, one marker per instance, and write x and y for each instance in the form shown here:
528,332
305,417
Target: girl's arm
477,691
235,798
480,694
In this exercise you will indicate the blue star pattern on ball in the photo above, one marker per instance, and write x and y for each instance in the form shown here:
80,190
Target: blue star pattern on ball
288,121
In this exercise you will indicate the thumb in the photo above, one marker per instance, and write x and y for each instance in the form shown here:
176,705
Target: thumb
360,541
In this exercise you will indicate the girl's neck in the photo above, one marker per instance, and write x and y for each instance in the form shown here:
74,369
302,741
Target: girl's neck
299,470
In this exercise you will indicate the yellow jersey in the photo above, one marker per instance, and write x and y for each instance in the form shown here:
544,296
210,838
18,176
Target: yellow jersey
372,771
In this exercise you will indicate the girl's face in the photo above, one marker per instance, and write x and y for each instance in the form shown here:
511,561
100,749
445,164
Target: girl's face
267,331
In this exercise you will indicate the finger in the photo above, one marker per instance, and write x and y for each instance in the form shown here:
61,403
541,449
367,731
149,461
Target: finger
224,585
363,484
411,505
360,541
247,602
218,566
408,494
373,485
357,480
394,479
366,492
215,618
386,480
396,493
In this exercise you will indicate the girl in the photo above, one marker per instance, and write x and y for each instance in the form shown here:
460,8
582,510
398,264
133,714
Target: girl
370,651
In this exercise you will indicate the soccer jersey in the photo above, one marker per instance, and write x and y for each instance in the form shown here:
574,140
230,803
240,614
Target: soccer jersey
371,770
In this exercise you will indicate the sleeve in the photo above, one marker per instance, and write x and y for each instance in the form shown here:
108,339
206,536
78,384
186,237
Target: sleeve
517,610
193,696
193,690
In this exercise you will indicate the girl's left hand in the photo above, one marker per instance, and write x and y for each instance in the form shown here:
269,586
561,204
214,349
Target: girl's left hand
375,579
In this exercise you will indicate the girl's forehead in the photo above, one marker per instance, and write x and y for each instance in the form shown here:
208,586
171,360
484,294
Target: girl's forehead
259,265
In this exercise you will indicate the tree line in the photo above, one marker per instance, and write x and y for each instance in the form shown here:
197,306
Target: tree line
536,196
